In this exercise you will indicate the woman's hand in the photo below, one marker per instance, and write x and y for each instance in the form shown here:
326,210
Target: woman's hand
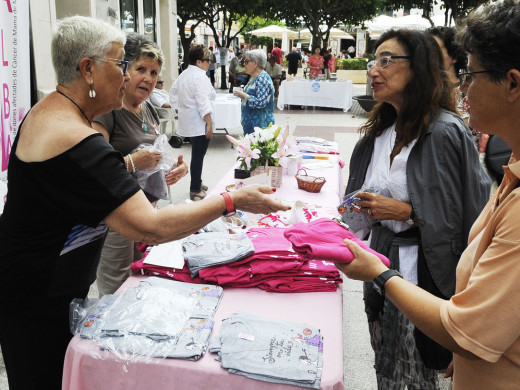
366,266
146,159
256,199
240,94
384,208
209,132
177,173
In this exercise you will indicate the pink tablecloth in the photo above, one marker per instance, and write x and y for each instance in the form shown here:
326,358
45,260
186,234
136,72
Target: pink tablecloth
83,371
330,195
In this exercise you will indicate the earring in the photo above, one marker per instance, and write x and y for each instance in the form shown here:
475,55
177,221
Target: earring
92,93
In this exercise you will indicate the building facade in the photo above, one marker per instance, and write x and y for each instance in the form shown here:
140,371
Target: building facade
155,18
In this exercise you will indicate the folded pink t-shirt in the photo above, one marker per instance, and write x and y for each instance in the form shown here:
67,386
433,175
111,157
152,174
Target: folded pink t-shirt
323,239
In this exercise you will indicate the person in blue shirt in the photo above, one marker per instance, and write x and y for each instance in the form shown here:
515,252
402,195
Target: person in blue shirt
258,95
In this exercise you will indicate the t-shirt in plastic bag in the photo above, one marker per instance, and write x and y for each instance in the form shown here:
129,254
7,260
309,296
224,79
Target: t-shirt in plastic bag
152,181
351,213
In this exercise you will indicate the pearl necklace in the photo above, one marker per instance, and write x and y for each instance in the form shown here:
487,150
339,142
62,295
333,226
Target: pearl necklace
140,119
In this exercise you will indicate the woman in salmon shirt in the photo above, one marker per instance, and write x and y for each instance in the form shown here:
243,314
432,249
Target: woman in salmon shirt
316,63
479,324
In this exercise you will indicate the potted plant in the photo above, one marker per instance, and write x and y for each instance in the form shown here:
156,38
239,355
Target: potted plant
354,69
263,149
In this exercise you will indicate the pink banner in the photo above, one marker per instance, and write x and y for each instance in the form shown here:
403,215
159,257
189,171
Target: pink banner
15,97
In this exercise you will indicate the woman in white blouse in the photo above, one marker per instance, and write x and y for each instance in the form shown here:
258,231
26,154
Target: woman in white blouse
427,189
194,98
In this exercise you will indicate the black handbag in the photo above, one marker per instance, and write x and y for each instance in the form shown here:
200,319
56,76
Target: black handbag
497,154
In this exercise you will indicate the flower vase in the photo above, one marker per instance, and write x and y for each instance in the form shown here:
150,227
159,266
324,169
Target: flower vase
275,173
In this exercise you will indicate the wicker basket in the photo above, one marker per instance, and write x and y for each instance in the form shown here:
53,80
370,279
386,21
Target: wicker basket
309,183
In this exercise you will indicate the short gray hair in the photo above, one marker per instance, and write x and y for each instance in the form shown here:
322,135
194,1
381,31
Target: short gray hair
78,37
258,56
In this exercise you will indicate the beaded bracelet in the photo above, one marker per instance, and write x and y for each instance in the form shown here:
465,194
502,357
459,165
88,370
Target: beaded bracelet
132,162
126,162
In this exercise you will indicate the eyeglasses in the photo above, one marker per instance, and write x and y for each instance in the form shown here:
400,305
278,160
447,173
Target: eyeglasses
205,59
247,61
122,64
465,78
160,82
383,62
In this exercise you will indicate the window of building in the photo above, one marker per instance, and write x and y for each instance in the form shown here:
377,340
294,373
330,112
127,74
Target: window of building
129,15
150,28
139,16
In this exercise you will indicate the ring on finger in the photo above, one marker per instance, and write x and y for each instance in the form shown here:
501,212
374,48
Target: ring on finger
369,212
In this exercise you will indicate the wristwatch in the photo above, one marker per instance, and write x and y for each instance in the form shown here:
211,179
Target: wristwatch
380,281
230,207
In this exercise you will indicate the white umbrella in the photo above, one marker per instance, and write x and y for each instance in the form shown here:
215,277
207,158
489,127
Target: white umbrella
278,32
438,20
384,22
274,31
413,22
380,23
335,33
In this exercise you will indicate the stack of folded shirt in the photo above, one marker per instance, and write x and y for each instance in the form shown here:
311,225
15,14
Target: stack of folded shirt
159,318
204,250
181,275
313,276
274,266
270,350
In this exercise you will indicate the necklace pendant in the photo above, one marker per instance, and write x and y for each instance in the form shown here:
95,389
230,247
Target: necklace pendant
145,128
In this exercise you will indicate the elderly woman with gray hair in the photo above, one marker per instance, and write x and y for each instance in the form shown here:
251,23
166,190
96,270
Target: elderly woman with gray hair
135,124
258,95
66,185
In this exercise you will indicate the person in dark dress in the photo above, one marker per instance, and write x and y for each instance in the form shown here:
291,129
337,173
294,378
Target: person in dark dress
66,186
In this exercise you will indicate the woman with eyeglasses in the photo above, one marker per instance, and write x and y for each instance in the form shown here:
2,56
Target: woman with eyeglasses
135,124
193,96
427,189
66,185
258,95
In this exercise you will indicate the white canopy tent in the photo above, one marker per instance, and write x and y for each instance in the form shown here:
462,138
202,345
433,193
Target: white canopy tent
438,20
335,33
382,23
277,32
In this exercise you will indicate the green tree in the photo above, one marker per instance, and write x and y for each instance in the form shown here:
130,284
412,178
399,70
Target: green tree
458,9
228,14
188,11
315,13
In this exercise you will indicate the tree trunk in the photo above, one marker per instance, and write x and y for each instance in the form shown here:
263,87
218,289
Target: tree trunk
223,84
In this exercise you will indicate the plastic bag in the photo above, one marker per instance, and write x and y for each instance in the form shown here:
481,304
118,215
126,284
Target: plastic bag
159,318
141,321
351,213
152,181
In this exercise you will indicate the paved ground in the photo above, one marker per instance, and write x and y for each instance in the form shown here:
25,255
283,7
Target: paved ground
335,125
